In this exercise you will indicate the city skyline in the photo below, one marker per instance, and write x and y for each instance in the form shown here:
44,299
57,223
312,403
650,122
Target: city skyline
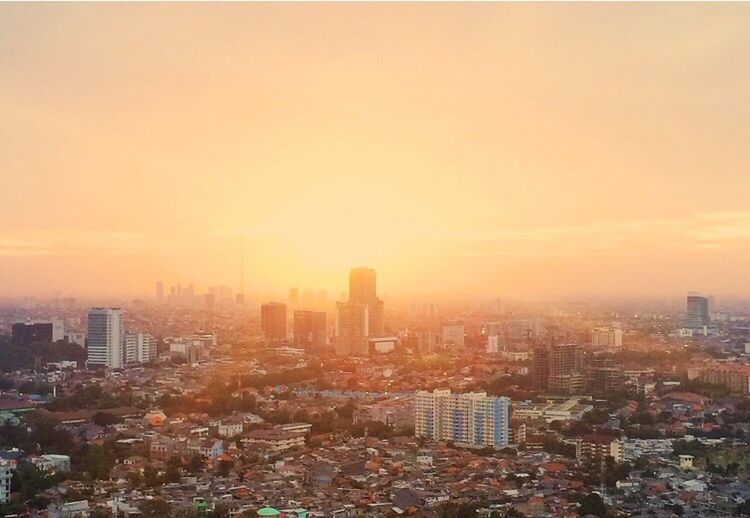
528,150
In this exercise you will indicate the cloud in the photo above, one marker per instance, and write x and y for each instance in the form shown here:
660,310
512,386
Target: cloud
54,242
704,231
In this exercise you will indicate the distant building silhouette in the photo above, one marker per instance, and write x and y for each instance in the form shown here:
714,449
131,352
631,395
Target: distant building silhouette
273,321
309,329
361,317
697,311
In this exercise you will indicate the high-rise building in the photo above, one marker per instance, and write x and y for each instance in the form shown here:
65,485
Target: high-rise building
139,348
606,337
540,368
697,311
453,334
362,286
472,419
566,368
524,329
104,343
351,330
361,317
273,321
27,332
309,329
159,291
362,291
293,296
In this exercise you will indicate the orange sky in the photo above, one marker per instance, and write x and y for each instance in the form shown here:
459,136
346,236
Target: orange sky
516,150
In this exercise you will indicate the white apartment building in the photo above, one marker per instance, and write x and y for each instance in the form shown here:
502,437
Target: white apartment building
472,419
606,337
105,338
139,348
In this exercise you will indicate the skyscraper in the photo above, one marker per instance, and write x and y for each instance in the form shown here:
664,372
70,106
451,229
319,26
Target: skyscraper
104,343
273,321
697,311
362,291
351,330
159,291
361,317
540,367
472,419
309,329
566,368
362,285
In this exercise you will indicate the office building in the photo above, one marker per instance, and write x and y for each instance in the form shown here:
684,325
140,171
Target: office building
105,338
362,290
309,329
566,368
139,348
540,368
473,419
27,332
606,379
453,334
606,337
159,291
362,286
361,317
697,312
525,329
559,368
351,330
273,321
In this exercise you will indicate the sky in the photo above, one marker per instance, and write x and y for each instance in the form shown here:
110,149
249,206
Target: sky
509,150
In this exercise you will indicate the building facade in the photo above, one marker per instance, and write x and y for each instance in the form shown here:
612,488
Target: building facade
273,321
606,337
309,329
473,419
697,312
139,348
105,338
27,332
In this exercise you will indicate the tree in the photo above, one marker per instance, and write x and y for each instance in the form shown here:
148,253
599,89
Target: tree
105,419
156,508
95,460
592,504
150,476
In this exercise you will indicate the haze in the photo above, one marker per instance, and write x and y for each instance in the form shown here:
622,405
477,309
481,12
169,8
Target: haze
475,149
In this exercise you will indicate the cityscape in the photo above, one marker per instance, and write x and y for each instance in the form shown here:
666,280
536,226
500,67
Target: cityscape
377,259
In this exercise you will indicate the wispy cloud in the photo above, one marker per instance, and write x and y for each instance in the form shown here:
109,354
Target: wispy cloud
51,242
706,231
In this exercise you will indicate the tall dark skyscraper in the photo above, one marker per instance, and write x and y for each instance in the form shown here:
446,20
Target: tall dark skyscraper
273,321
697,311
309,329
